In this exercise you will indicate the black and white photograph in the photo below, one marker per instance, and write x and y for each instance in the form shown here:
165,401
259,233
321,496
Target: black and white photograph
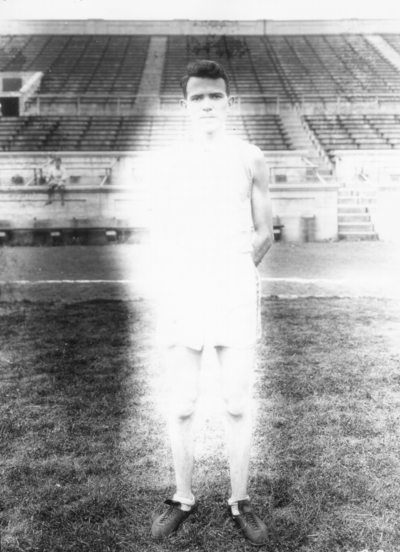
199,276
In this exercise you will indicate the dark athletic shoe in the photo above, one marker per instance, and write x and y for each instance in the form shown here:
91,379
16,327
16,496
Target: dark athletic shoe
253,528
168,523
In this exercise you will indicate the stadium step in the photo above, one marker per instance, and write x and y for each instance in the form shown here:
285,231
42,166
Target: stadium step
357,209
355,206
385,49
355,227
150,82
301,140
356,200
347,235
353,217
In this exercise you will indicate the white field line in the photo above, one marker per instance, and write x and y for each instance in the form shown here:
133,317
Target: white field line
36,282
136,281
311,280
141,283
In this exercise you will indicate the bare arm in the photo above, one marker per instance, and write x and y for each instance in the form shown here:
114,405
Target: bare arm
261,207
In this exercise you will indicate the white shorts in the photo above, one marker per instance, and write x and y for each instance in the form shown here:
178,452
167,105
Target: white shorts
215,302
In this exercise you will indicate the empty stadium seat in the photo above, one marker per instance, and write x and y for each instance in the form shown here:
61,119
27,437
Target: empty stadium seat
291,67
118,133
356,131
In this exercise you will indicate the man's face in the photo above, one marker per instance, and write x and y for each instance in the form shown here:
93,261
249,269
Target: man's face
207,103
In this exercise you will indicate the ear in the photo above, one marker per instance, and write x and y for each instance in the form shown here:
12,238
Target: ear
231,101
183,104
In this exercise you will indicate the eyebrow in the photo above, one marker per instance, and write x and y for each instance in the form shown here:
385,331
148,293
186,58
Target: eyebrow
194,96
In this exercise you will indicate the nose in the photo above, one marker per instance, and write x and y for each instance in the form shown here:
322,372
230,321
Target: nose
207,104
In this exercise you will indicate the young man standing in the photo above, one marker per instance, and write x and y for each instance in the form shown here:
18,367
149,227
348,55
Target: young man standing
213,227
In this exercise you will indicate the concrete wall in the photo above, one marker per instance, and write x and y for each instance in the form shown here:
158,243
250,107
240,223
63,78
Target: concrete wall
84,207
294,205
91,166
127,207
376,164
386,218
382,169
185,26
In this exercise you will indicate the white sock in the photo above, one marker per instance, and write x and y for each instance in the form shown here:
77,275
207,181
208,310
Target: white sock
235,506
186,503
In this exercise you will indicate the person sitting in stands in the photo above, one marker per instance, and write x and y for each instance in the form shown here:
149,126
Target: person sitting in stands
56,178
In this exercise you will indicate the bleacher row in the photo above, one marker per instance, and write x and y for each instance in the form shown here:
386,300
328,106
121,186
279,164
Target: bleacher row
289,66
334,65
113,133
348,132
78,64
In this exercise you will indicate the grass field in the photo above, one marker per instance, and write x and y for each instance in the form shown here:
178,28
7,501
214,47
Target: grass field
85,462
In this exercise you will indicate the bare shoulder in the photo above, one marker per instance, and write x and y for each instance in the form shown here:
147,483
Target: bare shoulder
256,160
253,151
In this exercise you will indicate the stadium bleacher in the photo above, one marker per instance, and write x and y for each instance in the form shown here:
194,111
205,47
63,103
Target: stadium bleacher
324,66
92,97
394,41
370,131
78,66
288,67
113,133
96,71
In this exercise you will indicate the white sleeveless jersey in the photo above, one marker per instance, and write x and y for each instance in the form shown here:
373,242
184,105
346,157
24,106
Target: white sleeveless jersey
204,200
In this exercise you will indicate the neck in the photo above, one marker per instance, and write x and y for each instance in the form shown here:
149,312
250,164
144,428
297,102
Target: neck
209,140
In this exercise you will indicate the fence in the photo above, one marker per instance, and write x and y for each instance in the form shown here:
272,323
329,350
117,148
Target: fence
125,103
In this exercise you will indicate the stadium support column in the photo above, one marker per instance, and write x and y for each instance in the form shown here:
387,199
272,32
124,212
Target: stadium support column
385,49
150,84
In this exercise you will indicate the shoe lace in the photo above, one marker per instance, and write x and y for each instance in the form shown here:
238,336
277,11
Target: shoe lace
251,520
169,514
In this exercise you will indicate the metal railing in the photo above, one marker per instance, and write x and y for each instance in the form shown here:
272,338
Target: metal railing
121,100
385,175
342,102
296,174
107,176
37,174
336,101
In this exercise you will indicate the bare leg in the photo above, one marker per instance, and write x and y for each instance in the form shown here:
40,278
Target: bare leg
50,193
236,378
183,375
62,193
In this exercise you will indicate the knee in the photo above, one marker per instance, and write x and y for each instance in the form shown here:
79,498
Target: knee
182,409
237,406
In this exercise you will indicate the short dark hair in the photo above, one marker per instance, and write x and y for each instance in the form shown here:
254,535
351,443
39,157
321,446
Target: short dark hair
205,69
